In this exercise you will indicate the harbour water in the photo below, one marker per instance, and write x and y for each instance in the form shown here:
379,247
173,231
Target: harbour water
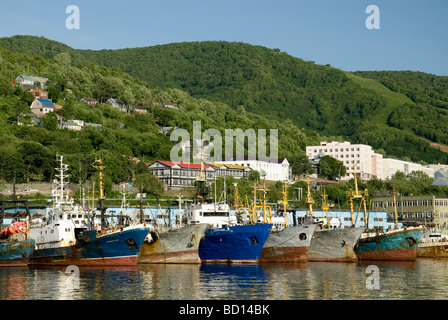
424,279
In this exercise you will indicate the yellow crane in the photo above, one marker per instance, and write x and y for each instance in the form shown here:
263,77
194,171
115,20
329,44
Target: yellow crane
356,194
309,198
285,202
325,210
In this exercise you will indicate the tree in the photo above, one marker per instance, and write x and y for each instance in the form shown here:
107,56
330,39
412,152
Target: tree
331,168
6,87
300,164
63,59
50,121
146,182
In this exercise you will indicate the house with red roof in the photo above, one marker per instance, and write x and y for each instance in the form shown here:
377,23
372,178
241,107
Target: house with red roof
179,174
39,93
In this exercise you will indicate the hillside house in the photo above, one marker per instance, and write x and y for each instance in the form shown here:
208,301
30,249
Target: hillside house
24,80
39,93
117,104
90,101
140,110
167,129
169,105
72,125
41,107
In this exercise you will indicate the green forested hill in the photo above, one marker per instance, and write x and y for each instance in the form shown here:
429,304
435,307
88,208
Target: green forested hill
29,152
389,111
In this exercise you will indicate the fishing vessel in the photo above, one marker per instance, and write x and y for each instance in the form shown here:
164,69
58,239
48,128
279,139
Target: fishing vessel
287,243
68,236
177,245
399,244
170,243
225,240
15,245
332,245
433,244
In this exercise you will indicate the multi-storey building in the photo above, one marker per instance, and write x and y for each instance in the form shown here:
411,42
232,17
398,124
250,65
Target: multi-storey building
415,210
179,174
368,164
391,166
359,157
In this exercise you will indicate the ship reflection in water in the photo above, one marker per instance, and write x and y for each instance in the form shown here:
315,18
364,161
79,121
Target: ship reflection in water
300,281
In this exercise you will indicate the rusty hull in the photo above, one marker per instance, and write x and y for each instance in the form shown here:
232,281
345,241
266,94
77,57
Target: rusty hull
174,246
432,250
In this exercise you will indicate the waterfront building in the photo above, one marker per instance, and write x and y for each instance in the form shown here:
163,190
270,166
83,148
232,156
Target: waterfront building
179,174
415,210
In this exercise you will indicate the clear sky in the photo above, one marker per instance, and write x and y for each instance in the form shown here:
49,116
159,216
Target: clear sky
413,34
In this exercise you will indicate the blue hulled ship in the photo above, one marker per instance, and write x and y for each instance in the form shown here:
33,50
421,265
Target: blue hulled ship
226,241
15,247
67,235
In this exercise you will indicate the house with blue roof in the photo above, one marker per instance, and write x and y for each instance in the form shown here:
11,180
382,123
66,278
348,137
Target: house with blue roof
41,107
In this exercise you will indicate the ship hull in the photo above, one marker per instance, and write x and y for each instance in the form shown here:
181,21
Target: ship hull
288,245
174,246
118,248
432,250
396,245
334,244
236,244
16,253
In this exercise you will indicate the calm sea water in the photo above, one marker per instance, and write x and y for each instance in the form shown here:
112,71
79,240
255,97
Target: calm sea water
423,279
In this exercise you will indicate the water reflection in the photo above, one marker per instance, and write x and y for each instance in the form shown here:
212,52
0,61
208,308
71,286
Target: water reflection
424,279
222,281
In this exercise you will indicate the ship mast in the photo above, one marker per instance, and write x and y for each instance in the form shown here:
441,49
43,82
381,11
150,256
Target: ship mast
309,198
61,170
98,164
202,181
285,202
357,195
395,211
325,210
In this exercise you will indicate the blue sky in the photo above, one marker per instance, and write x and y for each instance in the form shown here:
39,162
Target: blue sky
413,34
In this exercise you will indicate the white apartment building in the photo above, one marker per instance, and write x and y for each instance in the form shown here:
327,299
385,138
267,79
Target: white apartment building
368,163
391,166
277,169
